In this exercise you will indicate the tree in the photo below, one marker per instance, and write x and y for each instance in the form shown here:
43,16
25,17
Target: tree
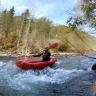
88,16
43,26
22,30
7,28
7,21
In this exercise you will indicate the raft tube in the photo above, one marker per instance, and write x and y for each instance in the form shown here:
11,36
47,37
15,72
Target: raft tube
34,64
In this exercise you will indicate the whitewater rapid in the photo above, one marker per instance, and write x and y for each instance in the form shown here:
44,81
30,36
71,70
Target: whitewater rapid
17,82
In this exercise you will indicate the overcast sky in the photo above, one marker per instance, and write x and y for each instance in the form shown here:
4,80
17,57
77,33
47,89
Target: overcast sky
55,10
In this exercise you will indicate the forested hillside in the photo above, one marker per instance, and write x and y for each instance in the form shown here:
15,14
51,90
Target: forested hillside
27,34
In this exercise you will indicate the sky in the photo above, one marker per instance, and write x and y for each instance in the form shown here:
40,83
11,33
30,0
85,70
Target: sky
57,11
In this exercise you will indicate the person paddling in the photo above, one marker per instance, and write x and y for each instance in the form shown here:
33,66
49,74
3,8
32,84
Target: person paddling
45,55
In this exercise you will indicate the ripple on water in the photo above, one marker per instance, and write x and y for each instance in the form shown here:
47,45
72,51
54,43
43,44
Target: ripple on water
56,80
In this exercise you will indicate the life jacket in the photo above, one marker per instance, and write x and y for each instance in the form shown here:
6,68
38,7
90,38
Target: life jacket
45,54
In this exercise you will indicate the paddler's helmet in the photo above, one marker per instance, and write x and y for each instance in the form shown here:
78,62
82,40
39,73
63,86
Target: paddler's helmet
46,48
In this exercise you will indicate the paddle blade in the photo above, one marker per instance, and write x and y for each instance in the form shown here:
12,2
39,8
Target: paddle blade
53,45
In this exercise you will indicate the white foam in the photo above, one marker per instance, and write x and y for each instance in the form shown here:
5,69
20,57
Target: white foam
25,80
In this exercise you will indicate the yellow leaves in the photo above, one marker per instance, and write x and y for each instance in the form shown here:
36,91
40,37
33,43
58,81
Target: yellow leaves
8,41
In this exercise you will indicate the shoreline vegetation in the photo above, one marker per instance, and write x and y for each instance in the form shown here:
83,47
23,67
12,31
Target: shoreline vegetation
28,34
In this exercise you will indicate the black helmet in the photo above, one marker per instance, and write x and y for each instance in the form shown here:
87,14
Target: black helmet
46,48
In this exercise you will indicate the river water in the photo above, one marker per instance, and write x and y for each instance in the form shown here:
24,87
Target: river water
68,77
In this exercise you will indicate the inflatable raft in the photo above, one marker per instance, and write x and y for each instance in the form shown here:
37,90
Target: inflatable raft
34,64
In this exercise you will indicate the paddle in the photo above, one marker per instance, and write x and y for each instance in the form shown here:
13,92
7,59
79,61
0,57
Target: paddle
50,47
53,45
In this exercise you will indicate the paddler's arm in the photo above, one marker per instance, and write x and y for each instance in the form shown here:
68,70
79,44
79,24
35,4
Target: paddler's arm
37,55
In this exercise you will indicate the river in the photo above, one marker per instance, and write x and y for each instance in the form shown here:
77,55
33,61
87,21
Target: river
68,77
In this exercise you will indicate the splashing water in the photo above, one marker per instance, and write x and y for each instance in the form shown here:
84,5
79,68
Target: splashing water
17,82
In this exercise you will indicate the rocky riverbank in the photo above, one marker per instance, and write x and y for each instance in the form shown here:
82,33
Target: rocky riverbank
27,54
58,56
